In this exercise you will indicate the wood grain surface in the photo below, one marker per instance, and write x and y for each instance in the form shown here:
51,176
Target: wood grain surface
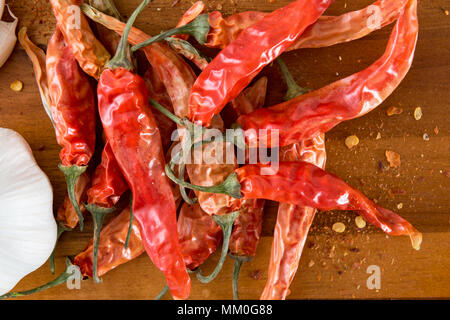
333,266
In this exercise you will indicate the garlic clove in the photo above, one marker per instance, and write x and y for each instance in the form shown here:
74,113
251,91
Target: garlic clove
8,37
27,226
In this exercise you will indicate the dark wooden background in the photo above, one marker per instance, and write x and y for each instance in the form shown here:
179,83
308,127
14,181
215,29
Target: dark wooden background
333,265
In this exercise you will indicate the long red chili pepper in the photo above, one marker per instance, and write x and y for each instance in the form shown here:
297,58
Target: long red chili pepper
135,140
321,110
73,113
89,52
270,36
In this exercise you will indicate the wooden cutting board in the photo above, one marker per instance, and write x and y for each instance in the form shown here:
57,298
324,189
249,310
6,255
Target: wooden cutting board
333,266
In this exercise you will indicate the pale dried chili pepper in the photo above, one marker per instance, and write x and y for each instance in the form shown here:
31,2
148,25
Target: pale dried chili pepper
73,113
321,110
327,31
135,140
89,52
112,250
293,222
270,37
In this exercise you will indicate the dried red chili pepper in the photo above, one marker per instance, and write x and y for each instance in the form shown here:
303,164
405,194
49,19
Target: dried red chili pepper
89,52
321,110
190,15
135,140
112,249
73,113
304,184
214,88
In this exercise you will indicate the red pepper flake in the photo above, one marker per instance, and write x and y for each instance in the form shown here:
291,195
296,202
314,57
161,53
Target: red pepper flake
393,158
175,3
446,173
436,130
394,110
256,275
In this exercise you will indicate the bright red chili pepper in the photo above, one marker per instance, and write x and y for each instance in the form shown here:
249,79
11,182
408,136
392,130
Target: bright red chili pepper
304,184
135,140
89,52
321,110
235,66
73,112
112,250
190,15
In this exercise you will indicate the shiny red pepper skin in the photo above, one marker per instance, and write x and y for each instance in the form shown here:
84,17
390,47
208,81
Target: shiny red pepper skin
108,182
198,234
73,104
321,110
235,66
304,184
327,31
112,251
135,140
293,223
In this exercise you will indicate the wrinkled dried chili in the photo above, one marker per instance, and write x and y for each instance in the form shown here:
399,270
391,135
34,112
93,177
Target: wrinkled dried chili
135,140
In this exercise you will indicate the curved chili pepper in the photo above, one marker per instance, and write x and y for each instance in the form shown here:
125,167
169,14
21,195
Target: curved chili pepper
73,113
321,110
135,140
89,52
327,31
214,88
112,250
190,15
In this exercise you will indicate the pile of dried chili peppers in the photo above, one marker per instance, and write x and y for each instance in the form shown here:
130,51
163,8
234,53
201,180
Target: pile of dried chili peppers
164,200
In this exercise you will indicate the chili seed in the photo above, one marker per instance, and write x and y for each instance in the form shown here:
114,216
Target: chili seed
426,137
400,206
338,227
351,141
418,113
360,222
17,86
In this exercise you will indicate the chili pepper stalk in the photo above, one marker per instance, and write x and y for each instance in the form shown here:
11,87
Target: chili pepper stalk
70,271
61,229
199,29
226,222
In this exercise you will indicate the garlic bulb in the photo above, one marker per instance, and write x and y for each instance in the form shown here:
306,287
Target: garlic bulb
8,37
27,225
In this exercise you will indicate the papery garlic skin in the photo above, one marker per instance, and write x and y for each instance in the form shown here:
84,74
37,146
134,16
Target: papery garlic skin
8,37
27,226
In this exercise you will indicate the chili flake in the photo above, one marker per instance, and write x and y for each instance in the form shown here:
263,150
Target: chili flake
393,158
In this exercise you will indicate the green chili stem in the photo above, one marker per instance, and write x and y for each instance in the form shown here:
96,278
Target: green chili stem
199,29
294,90
121,60
238,261
72,174
230,186
166,112
98,215
62,278
130,228
61,229
226,222
162,293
